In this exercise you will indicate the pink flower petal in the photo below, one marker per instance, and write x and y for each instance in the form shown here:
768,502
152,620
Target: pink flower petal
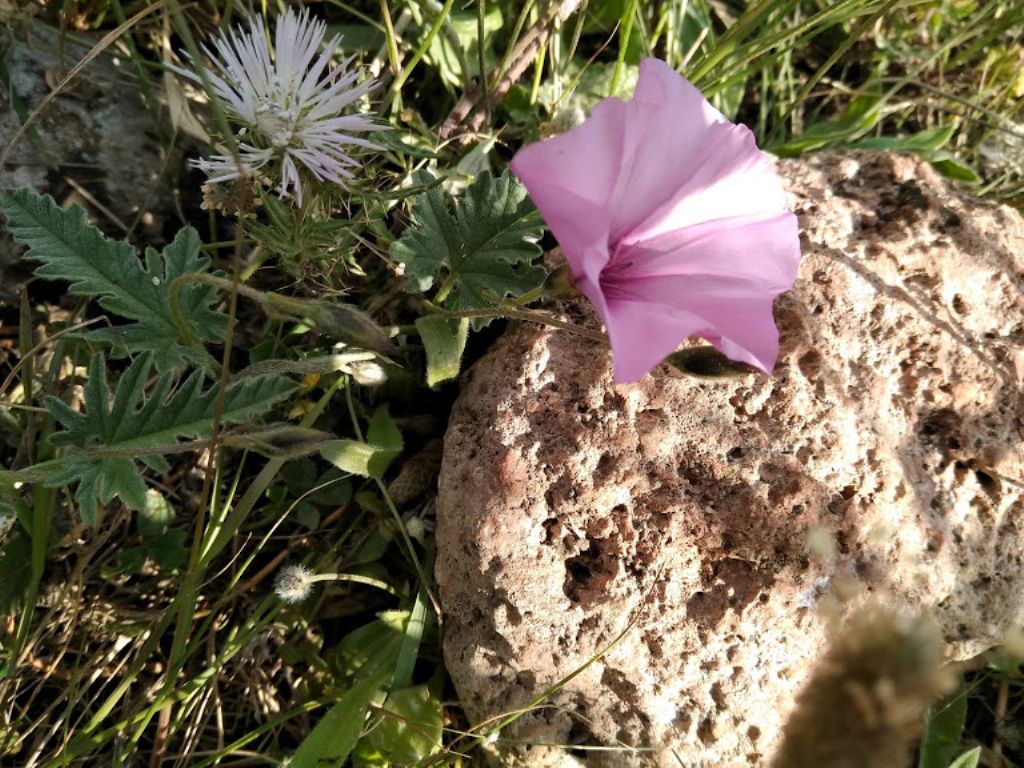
584,161
734,179
570,179
672,221
717,280
762,250
642,334
668,129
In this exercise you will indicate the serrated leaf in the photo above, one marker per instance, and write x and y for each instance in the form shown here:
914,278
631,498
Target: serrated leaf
485,249
71,249
110,435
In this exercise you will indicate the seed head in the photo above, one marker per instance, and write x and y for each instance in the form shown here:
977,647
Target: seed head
294,583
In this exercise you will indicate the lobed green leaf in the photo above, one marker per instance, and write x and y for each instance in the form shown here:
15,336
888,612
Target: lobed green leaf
485,249
110,435
69,248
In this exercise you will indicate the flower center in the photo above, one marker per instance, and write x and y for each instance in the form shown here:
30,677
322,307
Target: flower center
614,277
276,125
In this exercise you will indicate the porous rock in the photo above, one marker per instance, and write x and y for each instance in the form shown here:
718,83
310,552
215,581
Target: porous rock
664,524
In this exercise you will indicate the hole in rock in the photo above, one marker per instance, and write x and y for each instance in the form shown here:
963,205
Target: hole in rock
809,363
551,528
606,465
705,731
987,482
579,733
941,428
588,573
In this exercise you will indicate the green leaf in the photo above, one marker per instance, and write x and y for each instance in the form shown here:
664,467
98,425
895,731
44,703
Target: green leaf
953,168
351,456
943,728
169,550
71,249
371,647
334,737
463,24
923,141
111,434
280,441
485,250
444,340
161,541
155,516
860,117
410,727
967,759
411,639
367,655
371,458
382,431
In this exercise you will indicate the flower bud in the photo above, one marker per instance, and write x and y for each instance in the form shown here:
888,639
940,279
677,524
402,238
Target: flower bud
369,373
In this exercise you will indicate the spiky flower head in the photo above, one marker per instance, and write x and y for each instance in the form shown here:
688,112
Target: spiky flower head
289,101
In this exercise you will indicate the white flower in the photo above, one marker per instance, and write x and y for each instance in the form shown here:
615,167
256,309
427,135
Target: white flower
289,101
294,583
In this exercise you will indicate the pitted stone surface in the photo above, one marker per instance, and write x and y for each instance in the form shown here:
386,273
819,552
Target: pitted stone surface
102,148
673,514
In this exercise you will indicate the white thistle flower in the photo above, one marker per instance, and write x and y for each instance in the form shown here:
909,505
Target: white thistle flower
289,101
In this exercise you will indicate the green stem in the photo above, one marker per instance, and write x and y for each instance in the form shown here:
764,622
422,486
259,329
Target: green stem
624,32
257,488
216,108
445,289
529,316
145,87
407,70
420,572
392,42
194,574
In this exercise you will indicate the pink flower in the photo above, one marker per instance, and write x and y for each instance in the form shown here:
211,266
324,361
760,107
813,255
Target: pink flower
672,221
